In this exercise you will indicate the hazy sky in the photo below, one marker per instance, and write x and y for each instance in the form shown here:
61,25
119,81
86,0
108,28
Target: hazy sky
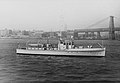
52,14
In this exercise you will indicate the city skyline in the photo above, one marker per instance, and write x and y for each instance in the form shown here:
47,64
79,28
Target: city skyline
52,15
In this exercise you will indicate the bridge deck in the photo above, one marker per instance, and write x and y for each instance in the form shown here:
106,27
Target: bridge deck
96,30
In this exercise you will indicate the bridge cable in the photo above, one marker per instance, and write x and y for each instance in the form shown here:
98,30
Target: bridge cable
118,19
97,22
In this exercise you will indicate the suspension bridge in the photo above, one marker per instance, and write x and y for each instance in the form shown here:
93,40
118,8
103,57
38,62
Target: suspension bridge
111,29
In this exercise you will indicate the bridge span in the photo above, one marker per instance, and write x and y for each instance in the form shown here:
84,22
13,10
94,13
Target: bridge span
97,30
111,29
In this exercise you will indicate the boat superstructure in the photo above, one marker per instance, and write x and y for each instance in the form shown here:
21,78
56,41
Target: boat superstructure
64,48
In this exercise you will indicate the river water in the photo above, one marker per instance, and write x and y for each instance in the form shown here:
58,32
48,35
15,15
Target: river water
30,68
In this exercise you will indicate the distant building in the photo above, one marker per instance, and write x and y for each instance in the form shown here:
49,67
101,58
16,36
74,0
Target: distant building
25,32
70,34
45,34
81,35
38,34
104,35
117,35
4,33
10,32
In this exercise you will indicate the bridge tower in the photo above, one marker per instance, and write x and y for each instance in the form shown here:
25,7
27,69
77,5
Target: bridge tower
111,28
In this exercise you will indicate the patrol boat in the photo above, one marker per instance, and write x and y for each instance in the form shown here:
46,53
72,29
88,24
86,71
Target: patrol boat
63,48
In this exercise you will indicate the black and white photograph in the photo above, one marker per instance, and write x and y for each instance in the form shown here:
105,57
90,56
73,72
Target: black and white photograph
59,41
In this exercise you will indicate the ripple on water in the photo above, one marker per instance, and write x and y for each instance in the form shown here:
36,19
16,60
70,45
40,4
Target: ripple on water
28,68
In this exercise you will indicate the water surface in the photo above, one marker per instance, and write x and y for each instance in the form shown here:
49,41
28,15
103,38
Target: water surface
28,68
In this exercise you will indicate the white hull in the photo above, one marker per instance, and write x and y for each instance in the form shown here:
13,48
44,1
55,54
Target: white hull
70,52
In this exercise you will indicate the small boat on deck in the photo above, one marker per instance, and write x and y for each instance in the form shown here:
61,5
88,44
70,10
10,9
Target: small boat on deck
63,48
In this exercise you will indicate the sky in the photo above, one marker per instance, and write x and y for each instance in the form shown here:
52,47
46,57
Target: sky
52,15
